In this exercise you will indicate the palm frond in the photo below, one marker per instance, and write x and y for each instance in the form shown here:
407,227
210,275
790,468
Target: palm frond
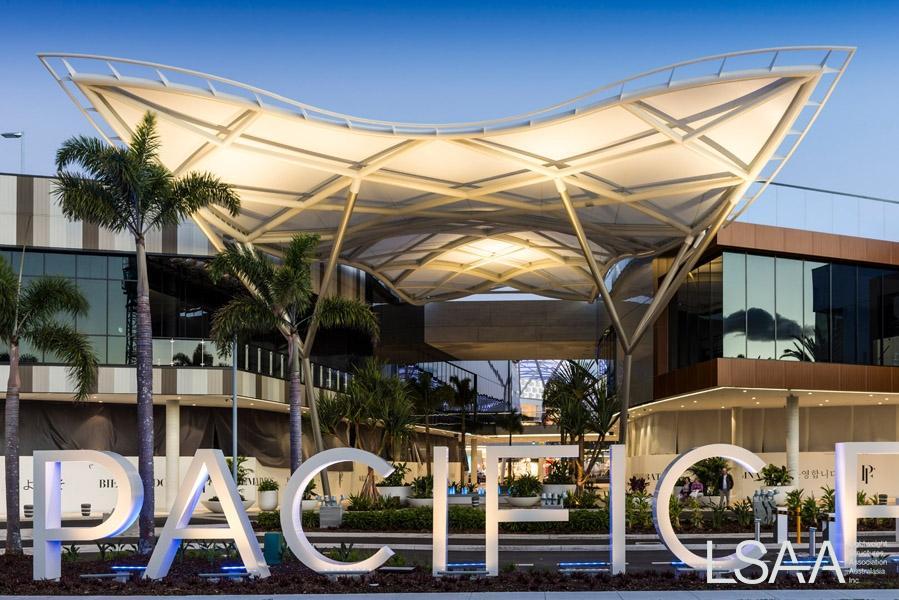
246,264
46,296
241,316
73,348
9,284
144,146
335,312
189,194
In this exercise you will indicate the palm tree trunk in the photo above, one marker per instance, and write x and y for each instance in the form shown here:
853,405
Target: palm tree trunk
295,402
313,413
13,527
145,442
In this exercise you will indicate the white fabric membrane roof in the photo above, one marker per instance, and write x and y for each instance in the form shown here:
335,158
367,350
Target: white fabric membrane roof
544,202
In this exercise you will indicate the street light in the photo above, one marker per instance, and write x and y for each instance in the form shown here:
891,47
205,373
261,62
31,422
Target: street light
17,135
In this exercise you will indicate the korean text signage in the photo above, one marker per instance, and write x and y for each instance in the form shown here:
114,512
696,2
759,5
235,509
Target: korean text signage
210,465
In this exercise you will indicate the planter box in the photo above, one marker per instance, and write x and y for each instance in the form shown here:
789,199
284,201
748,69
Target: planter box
216,506
558,489
268,500
398,491
524,502
459,499
307,505
417,502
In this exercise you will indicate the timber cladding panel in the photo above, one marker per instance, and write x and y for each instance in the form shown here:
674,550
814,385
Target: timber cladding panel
776,374
779,240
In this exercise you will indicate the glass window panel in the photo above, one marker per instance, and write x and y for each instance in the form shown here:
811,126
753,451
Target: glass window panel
115,350
60,264
94,322
715,307
121,267
34,262
29,354
98,342
91,266
816,309
789,326
760,325
116,305
843,313
6,256
890,346
870,316
734,304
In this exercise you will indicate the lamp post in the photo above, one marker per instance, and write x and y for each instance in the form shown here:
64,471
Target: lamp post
17,135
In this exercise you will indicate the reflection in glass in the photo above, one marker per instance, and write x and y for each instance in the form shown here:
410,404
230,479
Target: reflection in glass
816,309
889,347
94,322
734,304
59,265
789,325
842,312
870,316
760,327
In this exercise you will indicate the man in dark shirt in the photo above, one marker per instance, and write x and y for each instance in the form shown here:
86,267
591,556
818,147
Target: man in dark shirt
725,486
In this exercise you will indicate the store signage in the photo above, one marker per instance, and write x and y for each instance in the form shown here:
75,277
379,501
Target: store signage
210,465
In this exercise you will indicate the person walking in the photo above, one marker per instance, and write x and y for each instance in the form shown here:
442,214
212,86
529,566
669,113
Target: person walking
725,486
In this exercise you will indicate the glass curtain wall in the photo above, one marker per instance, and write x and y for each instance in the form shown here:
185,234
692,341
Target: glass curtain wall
764,307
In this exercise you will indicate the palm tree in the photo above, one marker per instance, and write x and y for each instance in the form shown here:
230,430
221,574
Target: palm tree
383,405
279,297
463,397
576,400
427,400
127,189
28,314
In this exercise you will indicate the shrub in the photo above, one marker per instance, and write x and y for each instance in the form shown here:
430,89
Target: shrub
828,499
309,492
637,485
675,508
581,499
268,520
695,513
360,502
526,486
638,511
743,512
423,487
719,516
810,512
560,473
267,484
772,475
396,478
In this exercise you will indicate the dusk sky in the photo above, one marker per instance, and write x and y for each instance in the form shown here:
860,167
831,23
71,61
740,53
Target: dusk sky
457,62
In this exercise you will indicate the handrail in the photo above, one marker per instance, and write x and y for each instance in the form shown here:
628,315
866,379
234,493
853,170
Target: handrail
555,110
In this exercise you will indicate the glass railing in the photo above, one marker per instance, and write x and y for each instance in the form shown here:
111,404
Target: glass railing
824,211
252,358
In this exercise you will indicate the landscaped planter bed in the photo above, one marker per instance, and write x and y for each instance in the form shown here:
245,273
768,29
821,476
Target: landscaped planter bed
294,578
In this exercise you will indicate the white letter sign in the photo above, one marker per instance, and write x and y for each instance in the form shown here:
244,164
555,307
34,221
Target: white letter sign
495,516
292,521
847,508
48,530
207,465
665,488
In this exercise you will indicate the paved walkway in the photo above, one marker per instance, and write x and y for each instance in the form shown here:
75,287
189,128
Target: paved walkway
811,594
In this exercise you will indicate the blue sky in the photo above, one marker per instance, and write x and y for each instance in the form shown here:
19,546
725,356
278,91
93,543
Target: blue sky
457,61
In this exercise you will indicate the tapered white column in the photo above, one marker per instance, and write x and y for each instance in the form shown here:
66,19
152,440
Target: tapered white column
736,426
792,432
172,450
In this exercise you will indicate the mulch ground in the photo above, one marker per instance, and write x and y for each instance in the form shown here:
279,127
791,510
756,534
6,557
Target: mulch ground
294,578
